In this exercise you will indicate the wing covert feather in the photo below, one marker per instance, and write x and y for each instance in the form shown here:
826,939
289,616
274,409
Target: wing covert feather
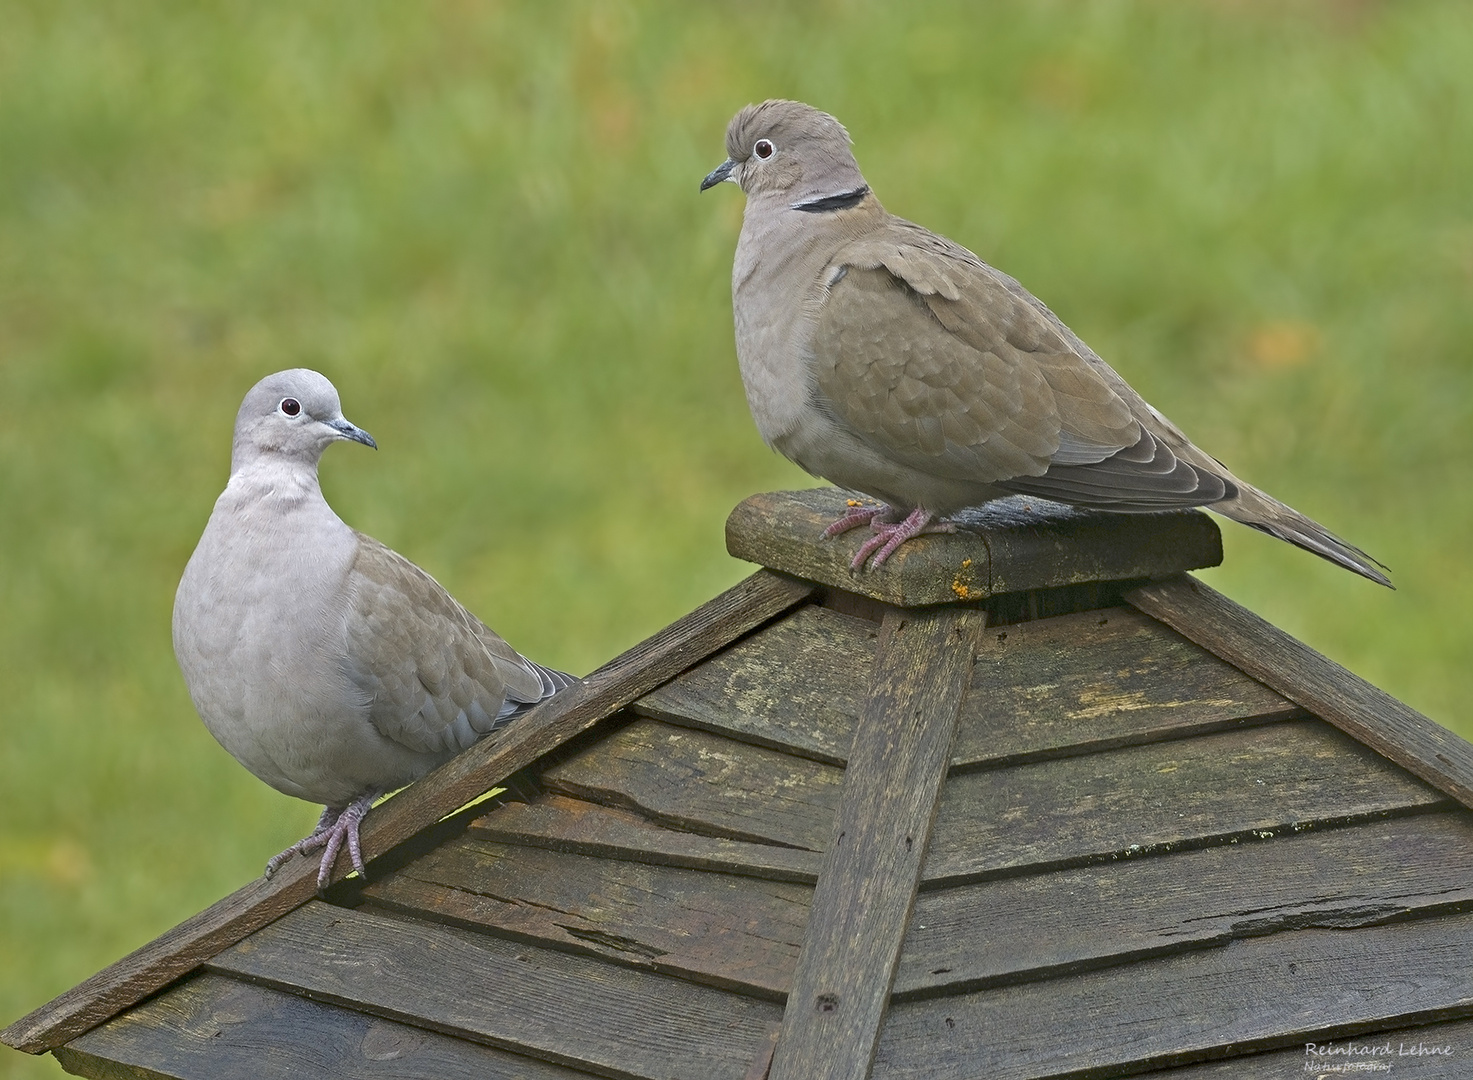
946,365
435,677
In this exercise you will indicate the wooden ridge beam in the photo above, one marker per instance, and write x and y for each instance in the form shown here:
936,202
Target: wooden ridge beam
1366,713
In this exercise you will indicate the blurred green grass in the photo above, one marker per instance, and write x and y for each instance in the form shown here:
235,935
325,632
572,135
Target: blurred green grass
481,220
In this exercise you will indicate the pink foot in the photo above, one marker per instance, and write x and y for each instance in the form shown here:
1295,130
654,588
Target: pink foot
334,826
854,517
889,535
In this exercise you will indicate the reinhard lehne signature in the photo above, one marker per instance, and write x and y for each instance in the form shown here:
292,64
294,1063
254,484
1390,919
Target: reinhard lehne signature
1340,1058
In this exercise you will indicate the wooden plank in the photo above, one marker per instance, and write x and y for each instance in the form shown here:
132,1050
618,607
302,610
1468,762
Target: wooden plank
1028,927
1123,802
1006,546
705,783
794,685
1442,1051
1095,680
737,933
468,776
507,994
867,884
1257,993
1070,684
566,824
1366,713
213,1028
1140,799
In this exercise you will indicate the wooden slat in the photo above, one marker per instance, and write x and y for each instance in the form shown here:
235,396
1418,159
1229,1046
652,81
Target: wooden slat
1366,713
794,685
567,824
705,783
1028,927
1071,684
506,994
1095,680
1122,802
178,951
213,1028
738,933
1143,798
1442,1051
867,884
1266,992
1007,546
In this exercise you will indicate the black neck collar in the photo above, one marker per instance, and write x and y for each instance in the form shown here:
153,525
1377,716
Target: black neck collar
842,201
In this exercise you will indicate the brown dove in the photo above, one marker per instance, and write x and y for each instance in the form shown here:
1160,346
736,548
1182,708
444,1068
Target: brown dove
892,361
331,667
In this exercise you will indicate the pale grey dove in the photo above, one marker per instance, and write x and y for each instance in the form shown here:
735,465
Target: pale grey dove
894,362
331,667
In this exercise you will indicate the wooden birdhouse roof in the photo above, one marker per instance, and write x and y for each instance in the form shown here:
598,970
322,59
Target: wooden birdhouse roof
1028,802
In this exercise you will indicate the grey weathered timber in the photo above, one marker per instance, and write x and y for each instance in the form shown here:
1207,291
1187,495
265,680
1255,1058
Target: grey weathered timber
567,824
1440,1051
867,884
794,685
1047,924
737,933
1069,684
507,994
1296,774
1040,814
1012,545
213,1028
708,784
1363,711
1254,993
1095,680
718,622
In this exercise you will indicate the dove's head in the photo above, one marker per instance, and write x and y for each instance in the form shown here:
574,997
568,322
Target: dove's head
292,415
789,149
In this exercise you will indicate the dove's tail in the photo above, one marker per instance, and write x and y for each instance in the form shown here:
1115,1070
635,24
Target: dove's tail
1253,508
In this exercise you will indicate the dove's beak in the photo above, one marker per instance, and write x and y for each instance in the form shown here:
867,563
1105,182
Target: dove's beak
352,432
718,174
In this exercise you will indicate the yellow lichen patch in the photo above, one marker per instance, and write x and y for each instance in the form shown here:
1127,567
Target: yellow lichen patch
962,583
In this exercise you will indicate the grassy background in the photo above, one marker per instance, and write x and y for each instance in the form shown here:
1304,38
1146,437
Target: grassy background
481,220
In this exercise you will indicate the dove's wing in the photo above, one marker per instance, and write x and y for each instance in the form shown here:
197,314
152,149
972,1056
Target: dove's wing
436,677
942,363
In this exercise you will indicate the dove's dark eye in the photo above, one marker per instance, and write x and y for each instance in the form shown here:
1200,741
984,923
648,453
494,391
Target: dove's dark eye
763,148
290,406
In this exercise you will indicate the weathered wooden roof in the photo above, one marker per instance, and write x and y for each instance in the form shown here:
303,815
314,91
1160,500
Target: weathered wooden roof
1072,823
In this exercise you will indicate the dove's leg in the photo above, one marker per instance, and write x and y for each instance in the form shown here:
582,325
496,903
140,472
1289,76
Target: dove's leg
344,828
889,535
337,823
310,843
854,517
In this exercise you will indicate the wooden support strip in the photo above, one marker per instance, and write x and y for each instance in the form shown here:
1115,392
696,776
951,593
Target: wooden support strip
571,1010
1364,712
178,951
868,881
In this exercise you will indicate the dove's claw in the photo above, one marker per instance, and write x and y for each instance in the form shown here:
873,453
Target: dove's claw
889,535
336,825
